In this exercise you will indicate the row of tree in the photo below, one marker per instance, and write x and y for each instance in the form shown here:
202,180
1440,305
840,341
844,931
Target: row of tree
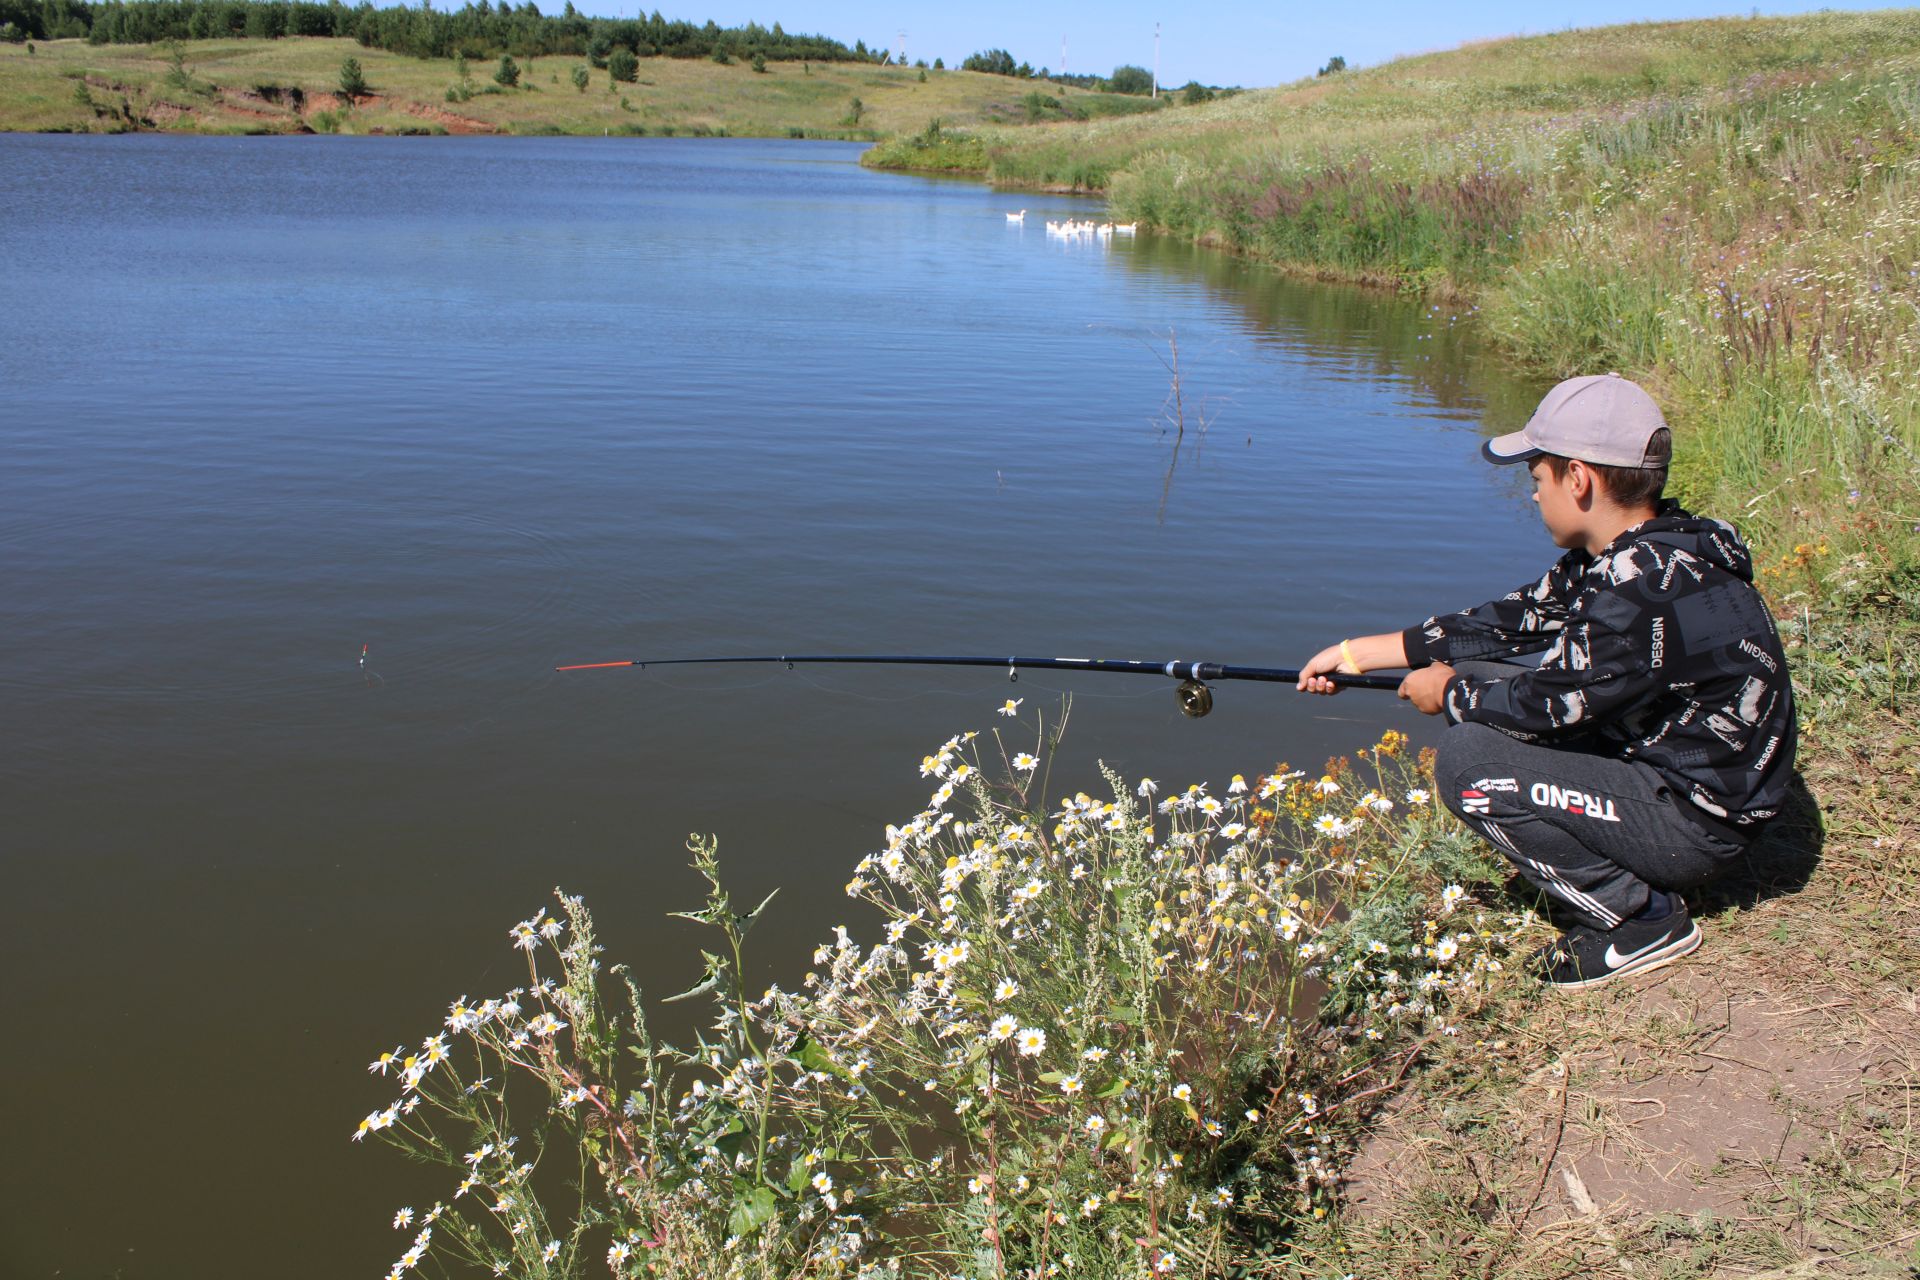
45,19
479,29
1125,79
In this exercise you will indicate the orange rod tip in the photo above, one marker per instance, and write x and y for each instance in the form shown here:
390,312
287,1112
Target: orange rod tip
589,666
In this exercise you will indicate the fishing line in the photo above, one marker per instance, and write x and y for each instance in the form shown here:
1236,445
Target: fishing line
667,682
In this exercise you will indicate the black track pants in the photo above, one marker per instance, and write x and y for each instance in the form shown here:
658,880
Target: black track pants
1592,831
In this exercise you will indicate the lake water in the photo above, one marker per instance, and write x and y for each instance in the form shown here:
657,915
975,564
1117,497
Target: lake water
484,406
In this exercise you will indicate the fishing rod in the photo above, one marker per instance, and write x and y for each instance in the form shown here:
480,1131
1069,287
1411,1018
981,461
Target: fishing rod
1193,694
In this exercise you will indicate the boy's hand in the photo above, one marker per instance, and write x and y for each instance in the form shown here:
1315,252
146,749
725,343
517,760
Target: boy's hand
1313,676
1426,688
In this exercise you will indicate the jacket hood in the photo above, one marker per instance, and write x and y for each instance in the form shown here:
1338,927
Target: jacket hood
1714,541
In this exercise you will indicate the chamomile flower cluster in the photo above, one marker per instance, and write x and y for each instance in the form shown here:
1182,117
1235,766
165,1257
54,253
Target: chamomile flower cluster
1036,963
1115,1026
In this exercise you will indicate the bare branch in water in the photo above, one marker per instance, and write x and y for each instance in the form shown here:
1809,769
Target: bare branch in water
1173,417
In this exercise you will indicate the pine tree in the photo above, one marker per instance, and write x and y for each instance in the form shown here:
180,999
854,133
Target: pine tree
353,84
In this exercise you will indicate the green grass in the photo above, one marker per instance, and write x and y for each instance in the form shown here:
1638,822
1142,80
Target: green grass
131,89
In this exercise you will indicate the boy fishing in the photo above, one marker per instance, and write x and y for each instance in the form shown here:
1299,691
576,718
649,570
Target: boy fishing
1654,738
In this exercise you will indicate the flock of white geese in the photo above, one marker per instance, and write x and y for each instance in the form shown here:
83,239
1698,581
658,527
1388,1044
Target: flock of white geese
1073,229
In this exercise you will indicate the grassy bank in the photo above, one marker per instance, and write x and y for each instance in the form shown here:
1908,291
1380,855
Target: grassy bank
1728,211
293,85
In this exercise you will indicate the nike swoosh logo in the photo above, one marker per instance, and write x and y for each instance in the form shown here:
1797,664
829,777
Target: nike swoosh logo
1614,959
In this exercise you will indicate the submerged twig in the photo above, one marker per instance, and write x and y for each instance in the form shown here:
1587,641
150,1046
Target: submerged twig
1173,415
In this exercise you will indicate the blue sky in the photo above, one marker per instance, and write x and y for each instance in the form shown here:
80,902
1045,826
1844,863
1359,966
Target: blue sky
1223,42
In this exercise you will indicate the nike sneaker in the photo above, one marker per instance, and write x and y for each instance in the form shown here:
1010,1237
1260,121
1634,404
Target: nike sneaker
1588,957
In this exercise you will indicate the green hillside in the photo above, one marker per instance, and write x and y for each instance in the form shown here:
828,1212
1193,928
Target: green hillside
291,85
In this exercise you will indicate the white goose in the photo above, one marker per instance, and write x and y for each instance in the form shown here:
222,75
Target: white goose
1017,217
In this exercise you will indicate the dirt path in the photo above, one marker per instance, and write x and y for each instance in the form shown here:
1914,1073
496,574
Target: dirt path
1750,1111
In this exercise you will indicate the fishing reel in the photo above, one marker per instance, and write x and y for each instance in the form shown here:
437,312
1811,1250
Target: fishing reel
1195,699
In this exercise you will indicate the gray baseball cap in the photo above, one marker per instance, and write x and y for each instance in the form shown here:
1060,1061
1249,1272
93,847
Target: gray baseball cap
1603,419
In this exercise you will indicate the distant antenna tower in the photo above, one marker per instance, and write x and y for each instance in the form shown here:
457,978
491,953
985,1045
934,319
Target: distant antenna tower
1063,55
1156,60
900,49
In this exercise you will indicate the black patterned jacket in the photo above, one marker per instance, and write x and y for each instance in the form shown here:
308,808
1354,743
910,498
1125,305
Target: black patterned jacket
1658,649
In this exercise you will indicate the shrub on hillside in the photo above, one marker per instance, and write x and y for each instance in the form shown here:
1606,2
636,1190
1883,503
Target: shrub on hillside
992,61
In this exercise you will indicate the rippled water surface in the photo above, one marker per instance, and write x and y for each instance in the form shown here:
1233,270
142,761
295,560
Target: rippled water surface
483,406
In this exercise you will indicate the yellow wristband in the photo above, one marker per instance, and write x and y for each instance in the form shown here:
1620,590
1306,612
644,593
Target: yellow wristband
1346,657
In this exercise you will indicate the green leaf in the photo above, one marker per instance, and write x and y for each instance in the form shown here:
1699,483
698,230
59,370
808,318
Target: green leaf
1113,1090
809,1054
1123,1013
716,969
752,1207
1119,1139
754,914
1052,1077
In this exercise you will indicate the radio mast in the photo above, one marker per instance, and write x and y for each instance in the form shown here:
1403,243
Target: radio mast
1156,60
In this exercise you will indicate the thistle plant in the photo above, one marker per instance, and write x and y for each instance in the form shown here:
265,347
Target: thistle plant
1127,1035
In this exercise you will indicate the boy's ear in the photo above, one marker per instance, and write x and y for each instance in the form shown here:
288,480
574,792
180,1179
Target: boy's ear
1581,481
